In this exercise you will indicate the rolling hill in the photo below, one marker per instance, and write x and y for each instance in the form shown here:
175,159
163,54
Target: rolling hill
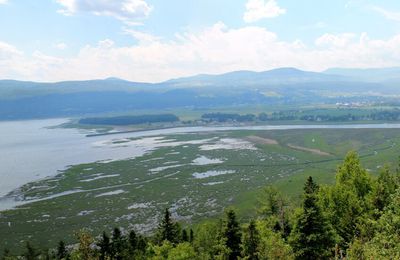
27,100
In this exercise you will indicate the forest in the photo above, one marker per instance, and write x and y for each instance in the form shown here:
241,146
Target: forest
356,217
308,115
130,120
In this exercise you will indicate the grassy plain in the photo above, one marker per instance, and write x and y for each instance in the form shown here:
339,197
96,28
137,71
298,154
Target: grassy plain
196,175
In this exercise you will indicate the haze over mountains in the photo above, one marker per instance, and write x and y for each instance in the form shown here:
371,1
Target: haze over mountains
26,100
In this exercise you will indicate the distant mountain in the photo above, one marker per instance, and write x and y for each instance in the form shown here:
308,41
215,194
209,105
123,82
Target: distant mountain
26,100
374,75
280,76
20,89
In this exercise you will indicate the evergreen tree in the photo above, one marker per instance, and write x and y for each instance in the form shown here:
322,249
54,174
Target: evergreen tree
312,236
232,234
141,244
168,229
191,236
185,237
30,252
6,254
105,246
251,241
133,241
118,244
62,252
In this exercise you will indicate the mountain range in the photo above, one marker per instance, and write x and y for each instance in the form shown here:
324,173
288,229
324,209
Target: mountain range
26,100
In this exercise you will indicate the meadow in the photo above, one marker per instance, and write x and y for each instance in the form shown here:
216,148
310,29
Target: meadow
196,175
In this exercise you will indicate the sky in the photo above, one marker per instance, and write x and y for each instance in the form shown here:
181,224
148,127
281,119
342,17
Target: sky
156,40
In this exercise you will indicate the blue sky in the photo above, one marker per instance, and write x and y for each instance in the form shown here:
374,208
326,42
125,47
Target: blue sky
154,40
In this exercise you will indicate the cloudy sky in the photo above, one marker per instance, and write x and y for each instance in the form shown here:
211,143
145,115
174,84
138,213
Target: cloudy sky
155,40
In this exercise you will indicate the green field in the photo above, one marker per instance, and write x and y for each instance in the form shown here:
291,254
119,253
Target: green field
196,175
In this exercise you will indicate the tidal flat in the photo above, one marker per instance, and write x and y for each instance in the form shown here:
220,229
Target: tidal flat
196,175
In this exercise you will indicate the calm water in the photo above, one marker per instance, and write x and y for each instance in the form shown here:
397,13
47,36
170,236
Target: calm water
30,151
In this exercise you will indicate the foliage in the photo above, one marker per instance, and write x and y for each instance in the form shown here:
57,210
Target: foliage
251,242
312,236
358,217
130,120
168,230
232,233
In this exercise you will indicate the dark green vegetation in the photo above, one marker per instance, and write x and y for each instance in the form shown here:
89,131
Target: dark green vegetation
130,120
356,217
195,175
280,87
312,115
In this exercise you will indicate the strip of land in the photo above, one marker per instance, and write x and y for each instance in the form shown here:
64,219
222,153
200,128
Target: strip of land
311,150
261,140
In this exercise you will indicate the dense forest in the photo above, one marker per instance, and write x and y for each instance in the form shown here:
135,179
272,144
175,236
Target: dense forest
130,120
357,217
311,116
289,115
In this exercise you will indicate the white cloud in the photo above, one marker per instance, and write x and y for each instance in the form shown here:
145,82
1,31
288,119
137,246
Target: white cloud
259,9
7,51
3,1
141,36
216,49
395,16
129,11
337,41
60,46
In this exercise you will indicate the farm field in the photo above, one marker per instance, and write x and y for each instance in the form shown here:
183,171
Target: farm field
196,175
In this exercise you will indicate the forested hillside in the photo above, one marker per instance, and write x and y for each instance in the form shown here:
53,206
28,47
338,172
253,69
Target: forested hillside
358,217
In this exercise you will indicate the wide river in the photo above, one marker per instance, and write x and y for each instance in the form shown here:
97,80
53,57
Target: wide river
29,150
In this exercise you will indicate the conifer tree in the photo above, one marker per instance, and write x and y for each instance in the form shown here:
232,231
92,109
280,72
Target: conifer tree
251,240
6,254
118,244
312,236
168,229
191,236
141,244
232,235
133,241
30,252
62,252
105,246
185,237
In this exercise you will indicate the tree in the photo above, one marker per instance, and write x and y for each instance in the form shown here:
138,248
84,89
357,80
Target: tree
105,246
273,206
272,245
312,236
232,234
386,185
185,237
168,229
141,244
62,252
85,250
183,251
30,252
133,242
191,236
210,241
6,254
385,243
118,244
347,203
251,241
